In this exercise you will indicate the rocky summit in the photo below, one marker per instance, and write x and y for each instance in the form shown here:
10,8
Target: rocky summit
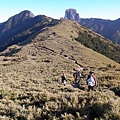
108,28
71,14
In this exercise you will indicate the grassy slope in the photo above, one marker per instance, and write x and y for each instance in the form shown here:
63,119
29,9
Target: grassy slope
31,84
100,44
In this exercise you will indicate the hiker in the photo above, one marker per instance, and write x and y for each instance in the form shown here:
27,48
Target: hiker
77,76
64,80
91,81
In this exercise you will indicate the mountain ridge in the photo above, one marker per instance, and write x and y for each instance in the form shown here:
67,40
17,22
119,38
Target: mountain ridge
33,24
70,32
16,33
20,17
107,28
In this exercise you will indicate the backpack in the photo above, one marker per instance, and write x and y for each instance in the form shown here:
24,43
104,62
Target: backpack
78,74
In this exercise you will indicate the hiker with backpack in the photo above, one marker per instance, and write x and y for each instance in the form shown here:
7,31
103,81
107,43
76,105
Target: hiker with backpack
91,81
77,76
64,80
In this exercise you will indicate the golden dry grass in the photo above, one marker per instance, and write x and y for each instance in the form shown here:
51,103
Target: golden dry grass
31,85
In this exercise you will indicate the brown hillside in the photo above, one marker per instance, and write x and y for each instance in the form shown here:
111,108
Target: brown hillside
30,77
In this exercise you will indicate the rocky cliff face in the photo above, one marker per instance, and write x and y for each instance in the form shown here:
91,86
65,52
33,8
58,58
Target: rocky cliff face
107,28
14,20
21,26
71,14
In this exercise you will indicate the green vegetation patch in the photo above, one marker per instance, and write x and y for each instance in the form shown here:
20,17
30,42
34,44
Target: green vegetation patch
100,45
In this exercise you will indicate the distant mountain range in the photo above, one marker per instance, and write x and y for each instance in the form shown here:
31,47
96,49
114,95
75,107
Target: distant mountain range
19,27
26,25
110,29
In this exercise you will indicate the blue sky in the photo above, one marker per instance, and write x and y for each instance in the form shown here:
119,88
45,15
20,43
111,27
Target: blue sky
105,9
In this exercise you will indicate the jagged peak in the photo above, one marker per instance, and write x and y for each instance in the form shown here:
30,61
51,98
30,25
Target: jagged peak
16,19
27,13
71,14
71,9
23,14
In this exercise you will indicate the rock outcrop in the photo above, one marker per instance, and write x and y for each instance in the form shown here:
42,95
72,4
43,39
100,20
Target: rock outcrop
71,14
